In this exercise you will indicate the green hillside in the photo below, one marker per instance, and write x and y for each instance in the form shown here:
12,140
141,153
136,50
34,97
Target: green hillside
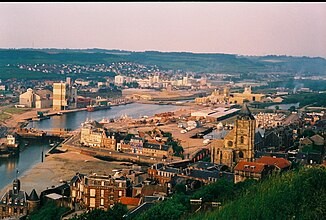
295,195
299,194
196,62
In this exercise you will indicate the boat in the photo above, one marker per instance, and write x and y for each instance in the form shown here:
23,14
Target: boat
92,108
104,121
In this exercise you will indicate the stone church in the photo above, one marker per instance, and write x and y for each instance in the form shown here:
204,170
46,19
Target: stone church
238,144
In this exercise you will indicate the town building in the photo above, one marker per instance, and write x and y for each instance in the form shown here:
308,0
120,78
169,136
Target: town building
119,80
36,99
98,191
161,173
250,170
93,134
278,164
224,96
64,96
238,144
16,203
269,120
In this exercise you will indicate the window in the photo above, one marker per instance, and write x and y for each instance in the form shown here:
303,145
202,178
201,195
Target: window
240,154
120,184
3,209
92,192
241,140
102,192
21,211
102,201
73,193
15,210
102,183
120,193
92,202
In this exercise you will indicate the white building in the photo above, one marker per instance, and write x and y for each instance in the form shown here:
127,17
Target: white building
119,80
36,99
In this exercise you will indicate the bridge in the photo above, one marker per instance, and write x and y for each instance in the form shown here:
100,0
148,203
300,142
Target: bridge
197,155
36,133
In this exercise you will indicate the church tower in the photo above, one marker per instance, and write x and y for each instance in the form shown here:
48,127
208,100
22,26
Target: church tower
238,144
245,134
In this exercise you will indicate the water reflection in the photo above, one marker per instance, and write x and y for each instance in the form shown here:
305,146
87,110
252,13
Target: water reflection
29,156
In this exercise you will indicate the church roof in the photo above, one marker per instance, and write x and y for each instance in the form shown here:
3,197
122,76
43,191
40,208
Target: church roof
33,196
245,113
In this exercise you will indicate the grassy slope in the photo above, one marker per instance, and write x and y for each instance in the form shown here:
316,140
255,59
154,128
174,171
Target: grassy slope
295,195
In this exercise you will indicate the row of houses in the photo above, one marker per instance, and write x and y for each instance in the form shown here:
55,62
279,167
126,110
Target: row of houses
94,134
136,188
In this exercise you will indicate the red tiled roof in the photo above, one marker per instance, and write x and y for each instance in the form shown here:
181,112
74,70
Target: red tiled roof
141,134
130,201
253,167
153,141
279,162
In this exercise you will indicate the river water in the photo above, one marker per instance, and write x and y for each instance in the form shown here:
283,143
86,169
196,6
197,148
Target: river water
73,120
31,154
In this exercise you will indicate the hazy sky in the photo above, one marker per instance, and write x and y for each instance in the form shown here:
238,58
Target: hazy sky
238,28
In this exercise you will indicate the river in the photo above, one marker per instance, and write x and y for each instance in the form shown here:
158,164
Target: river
73,120
31,155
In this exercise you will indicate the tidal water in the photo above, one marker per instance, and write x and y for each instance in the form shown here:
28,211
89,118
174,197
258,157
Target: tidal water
31,154
73,120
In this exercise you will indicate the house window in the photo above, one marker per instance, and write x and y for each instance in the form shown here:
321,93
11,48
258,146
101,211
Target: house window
120,193
73,193
15,210
241,140
102,183
240,154
102,201
3,209
21,211
92,202
102,192
92,192
120,184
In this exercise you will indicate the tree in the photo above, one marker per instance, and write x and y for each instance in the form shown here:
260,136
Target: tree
292,108
115,213
49,211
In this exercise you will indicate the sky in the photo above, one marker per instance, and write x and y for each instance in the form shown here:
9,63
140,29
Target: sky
296,29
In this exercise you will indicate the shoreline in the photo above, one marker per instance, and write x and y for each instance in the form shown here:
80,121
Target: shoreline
57,166
60,167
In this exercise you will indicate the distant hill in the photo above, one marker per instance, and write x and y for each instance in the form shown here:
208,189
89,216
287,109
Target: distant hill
196,62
